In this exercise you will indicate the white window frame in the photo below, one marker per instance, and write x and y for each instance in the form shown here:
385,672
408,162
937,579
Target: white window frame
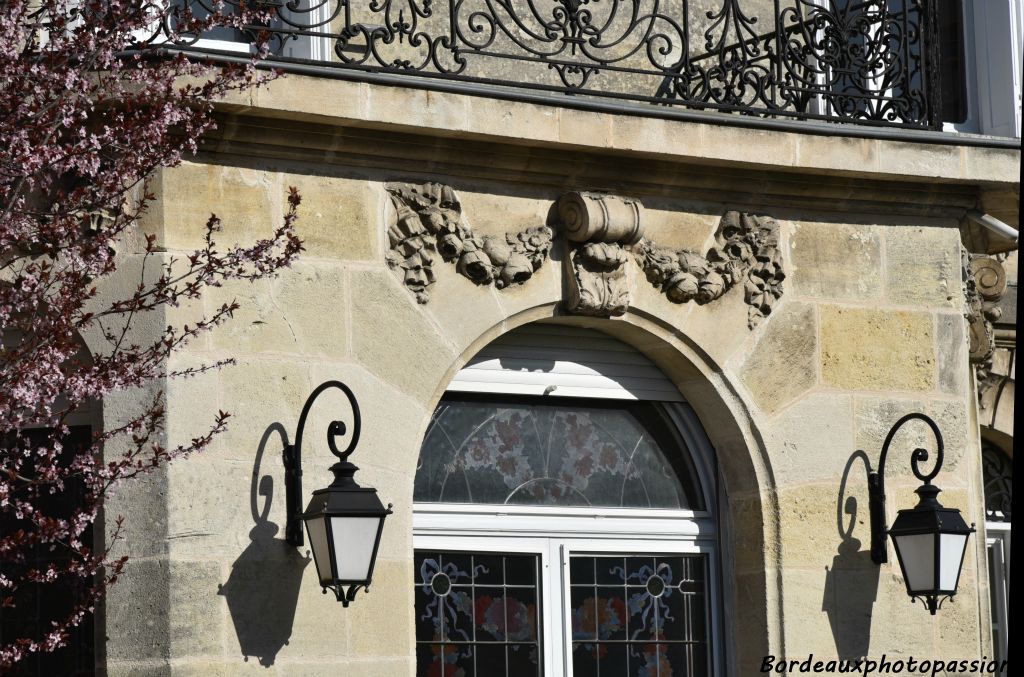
554,533
992,65
314,49
997,546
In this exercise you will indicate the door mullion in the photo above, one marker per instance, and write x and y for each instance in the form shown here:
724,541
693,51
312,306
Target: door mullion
561,603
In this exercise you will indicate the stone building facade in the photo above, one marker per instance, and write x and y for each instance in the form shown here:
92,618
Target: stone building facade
800,290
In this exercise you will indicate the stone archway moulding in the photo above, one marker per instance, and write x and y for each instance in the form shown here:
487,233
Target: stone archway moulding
730,421
603,233
603,247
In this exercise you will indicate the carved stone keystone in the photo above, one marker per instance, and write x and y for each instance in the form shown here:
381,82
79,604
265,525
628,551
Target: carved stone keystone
598,217
596,268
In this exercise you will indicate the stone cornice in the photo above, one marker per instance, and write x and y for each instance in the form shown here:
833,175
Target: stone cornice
324,101
388,153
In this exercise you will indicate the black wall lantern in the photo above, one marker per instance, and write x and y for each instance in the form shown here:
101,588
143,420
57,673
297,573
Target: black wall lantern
344,520
930,540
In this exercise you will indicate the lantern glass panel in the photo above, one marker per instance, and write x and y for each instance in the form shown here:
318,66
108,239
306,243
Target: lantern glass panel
951,555
917,552
354,540
317,529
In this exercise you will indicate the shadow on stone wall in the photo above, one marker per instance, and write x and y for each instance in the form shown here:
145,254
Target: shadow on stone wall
851,584
263,588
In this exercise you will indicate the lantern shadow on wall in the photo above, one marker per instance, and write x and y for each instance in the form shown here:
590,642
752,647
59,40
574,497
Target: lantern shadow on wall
263,588
851,583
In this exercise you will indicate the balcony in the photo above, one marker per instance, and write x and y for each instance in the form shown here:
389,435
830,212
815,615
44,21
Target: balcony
849,67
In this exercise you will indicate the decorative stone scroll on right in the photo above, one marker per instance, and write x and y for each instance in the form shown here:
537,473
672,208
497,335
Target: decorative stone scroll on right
984,286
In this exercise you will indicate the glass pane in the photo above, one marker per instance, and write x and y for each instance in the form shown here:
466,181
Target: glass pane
952,555
488,450
639,615
477,614
354,541
917,553
584,660
489,608
317,530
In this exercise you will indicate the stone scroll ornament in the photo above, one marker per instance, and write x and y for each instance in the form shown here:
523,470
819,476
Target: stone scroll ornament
428,223
984,286
746,252
599,227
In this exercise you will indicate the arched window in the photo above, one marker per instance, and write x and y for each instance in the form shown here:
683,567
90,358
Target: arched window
564,517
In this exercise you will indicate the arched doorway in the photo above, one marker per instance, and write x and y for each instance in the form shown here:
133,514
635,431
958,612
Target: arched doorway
565,517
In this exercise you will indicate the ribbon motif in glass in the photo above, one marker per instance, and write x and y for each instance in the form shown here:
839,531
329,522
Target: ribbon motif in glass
638,615
642,616
477,615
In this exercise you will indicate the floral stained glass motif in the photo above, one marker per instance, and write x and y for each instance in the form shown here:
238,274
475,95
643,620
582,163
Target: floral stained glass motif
642,616
477,615
553,452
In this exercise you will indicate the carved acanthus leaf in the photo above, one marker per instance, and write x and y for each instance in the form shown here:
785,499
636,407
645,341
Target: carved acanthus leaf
599,285
428,221
746,252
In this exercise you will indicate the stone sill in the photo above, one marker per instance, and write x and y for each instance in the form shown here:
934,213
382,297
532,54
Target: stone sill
448,115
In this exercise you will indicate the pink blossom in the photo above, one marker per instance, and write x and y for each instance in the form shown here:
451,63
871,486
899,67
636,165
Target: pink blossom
88,112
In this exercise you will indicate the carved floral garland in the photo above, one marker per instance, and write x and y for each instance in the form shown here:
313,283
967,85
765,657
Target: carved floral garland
746,250
429,220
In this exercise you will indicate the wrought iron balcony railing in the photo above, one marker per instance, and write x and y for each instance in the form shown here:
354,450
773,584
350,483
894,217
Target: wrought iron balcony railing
870,62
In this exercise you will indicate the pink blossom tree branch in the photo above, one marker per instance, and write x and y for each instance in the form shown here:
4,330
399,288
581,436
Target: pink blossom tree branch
93,101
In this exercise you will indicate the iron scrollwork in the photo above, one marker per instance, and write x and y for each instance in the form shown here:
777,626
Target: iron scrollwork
845,60
997,472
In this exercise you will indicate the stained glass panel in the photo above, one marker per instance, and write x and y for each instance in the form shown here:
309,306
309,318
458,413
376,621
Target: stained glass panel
640,616
477,615
565,453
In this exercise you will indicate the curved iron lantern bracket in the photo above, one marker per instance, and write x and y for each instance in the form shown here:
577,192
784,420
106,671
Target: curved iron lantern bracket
293,459
344,520
876,482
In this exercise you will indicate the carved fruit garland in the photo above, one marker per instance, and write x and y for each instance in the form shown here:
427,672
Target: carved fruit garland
601,230
429,220
746,251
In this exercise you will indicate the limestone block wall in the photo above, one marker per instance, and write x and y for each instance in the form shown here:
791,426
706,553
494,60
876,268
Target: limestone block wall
869,327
